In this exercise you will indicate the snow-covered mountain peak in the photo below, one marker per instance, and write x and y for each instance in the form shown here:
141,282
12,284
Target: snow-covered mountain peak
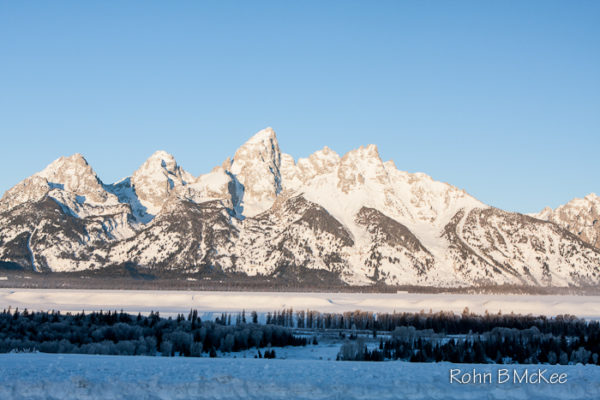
62,167
361,166
372,150
577,205
592,197
321,162
34,188
164,159
324,157
580,216
156,178
390,164
545,214
263,136
64,162
262,146
161,163
71,184
73,174
256,166
365,155
369,151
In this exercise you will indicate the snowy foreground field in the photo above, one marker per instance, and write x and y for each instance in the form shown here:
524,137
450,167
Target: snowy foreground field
45,376
174,302
302,372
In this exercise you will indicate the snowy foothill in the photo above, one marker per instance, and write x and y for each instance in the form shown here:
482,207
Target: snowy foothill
70,376
174,302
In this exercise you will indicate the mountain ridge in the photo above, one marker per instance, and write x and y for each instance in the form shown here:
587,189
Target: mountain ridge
580,216
354,218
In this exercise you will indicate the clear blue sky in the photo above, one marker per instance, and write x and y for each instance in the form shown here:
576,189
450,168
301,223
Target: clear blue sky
501,98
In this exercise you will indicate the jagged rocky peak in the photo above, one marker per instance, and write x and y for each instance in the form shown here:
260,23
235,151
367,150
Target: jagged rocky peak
295,175
67,176
428,199
359,166
161,163
321,162
580,216
256,166
545,214
367,155
593,197
158,176
34,188
74,174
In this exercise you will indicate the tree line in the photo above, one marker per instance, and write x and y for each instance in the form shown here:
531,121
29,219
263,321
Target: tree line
498,346
407,336
119,333
445,322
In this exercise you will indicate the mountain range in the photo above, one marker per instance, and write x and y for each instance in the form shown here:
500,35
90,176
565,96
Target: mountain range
354,219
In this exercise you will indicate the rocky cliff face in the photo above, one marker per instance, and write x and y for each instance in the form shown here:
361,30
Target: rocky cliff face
256,167
350,218
581,217
156,179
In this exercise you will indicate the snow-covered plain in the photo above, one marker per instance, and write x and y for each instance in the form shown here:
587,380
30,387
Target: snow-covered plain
174,302
45,376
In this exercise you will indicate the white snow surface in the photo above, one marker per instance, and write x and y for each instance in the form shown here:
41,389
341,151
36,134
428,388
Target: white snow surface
174,302
49,376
